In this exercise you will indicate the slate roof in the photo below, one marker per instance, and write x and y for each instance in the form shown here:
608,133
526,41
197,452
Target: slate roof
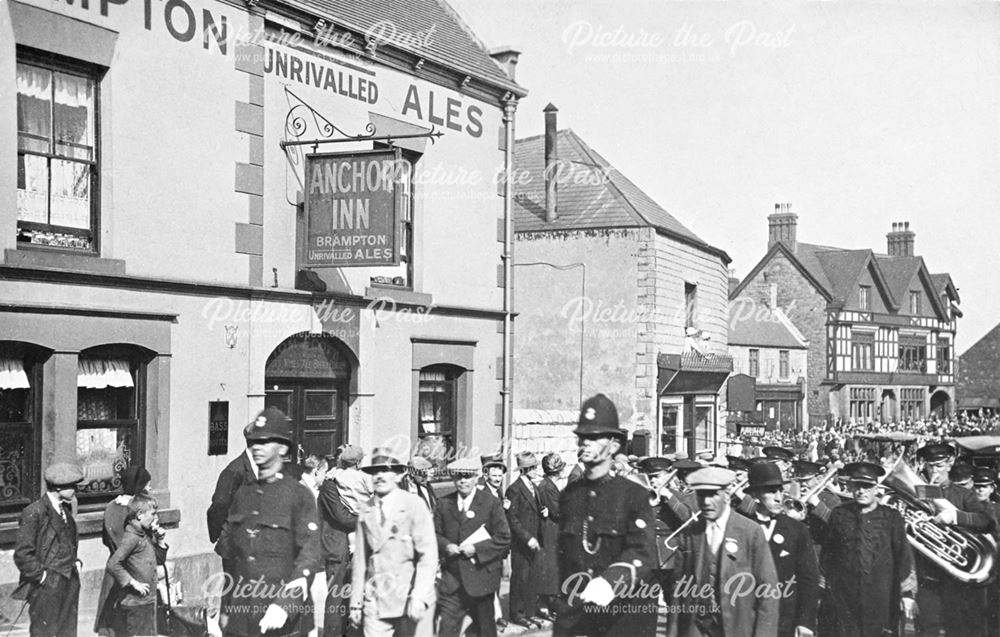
446,40
842,268
592,194
762,327
979,373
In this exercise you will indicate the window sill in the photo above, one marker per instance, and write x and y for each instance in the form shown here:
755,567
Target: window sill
87,525
59,260
399,295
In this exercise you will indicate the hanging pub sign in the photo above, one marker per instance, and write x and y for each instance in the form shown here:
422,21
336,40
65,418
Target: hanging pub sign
352,206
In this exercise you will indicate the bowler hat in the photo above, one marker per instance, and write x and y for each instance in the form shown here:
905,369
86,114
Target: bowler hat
779,453
863,472
710,479
935,452
493,460
63,474
526,460
654,465
270,424
383,460
764,475
599,417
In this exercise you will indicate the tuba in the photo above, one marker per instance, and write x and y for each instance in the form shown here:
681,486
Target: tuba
963,554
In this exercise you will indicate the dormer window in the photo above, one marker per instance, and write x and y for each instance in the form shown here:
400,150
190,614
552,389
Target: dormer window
914,302
865,297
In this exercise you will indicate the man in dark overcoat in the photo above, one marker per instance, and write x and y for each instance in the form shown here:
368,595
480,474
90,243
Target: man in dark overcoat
336,523
867,562
473,538
525,518
792,550
607,549
271,538
45,553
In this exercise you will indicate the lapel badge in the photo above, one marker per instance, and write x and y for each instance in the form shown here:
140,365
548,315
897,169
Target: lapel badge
731,545
394,530
778,538
470,514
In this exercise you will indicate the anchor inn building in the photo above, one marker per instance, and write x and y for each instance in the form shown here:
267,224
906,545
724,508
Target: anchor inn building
186,238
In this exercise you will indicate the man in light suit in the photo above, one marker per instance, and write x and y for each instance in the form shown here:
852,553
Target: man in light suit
727,584
395,557
473,538
792,550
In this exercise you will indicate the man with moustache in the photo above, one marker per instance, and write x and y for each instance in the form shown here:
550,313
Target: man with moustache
494,471
271,539
792,550
944,601
867,562
607,549
46,555
726,582
395,557
473,538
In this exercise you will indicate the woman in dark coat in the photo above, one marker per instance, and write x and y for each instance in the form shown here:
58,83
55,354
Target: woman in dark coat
548,494
134,480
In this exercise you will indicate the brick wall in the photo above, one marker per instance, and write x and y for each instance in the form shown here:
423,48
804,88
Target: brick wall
806,308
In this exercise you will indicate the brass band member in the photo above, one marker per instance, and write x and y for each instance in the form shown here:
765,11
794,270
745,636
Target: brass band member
867,562
984,487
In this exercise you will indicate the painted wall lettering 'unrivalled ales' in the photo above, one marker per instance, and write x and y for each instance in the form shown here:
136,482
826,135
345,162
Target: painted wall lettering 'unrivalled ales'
446,112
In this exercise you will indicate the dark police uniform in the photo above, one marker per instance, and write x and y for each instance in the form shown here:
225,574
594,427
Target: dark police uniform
607,530
271,537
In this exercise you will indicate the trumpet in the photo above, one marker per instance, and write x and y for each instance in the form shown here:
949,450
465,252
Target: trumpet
798,505
655,495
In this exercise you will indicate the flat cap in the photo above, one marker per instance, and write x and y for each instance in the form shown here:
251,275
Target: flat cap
350,454
685,465
864,472
935,452
464,468
63,474
710,478
779,453
654,465
983,476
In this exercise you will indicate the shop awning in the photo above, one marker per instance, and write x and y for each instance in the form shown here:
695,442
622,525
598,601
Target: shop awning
101,373
12,374
692,373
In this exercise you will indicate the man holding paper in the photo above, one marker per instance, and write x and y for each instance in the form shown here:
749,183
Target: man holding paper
473,538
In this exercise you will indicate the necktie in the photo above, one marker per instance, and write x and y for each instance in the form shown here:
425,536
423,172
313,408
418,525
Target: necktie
714,536
381,514
62,512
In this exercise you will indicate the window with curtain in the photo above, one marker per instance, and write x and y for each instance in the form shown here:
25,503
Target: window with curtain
20,454
754,366
109,434
57,159
437,414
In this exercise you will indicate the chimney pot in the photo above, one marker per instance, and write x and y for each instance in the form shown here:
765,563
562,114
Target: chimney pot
551,163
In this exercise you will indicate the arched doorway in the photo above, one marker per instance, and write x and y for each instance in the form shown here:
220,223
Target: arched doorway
308,376
941,404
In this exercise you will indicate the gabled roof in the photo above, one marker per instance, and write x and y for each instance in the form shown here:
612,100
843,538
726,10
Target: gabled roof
763,327
977,382
812,273
843,268
439,34
943,283
591,194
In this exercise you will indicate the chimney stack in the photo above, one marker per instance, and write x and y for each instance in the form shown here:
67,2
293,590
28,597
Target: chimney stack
506,57
782,226
901,240
551,163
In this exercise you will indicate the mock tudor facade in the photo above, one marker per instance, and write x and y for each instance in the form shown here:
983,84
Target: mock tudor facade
881,327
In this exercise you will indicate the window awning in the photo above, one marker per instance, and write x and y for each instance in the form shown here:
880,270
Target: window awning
12,374
692,373
101,373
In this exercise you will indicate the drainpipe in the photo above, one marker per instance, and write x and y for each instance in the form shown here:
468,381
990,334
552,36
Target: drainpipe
507,419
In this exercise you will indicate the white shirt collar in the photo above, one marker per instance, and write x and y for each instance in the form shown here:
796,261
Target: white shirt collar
253,465
56,501
464,504
723,519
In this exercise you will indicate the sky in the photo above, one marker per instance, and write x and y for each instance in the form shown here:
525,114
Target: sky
858,114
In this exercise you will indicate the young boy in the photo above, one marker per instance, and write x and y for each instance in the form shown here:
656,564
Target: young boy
133,566
355,485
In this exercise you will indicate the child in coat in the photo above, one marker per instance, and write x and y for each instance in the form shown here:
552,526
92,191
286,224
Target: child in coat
133,565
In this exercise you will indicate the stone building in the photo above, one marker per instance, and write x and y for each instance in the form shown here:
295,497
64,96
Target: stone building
614,295
211,206
881,327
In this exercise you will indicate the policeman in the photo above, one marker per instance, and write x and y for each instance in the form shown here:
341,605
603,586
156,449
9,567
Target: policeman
607,543
271,539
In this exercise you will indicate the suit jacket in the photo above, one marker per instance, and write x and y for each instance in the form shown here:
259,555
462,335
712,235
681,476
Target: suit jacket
480,575
795,556
395,561
236,474
575,474
743,552
44,544
524,516
335,522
